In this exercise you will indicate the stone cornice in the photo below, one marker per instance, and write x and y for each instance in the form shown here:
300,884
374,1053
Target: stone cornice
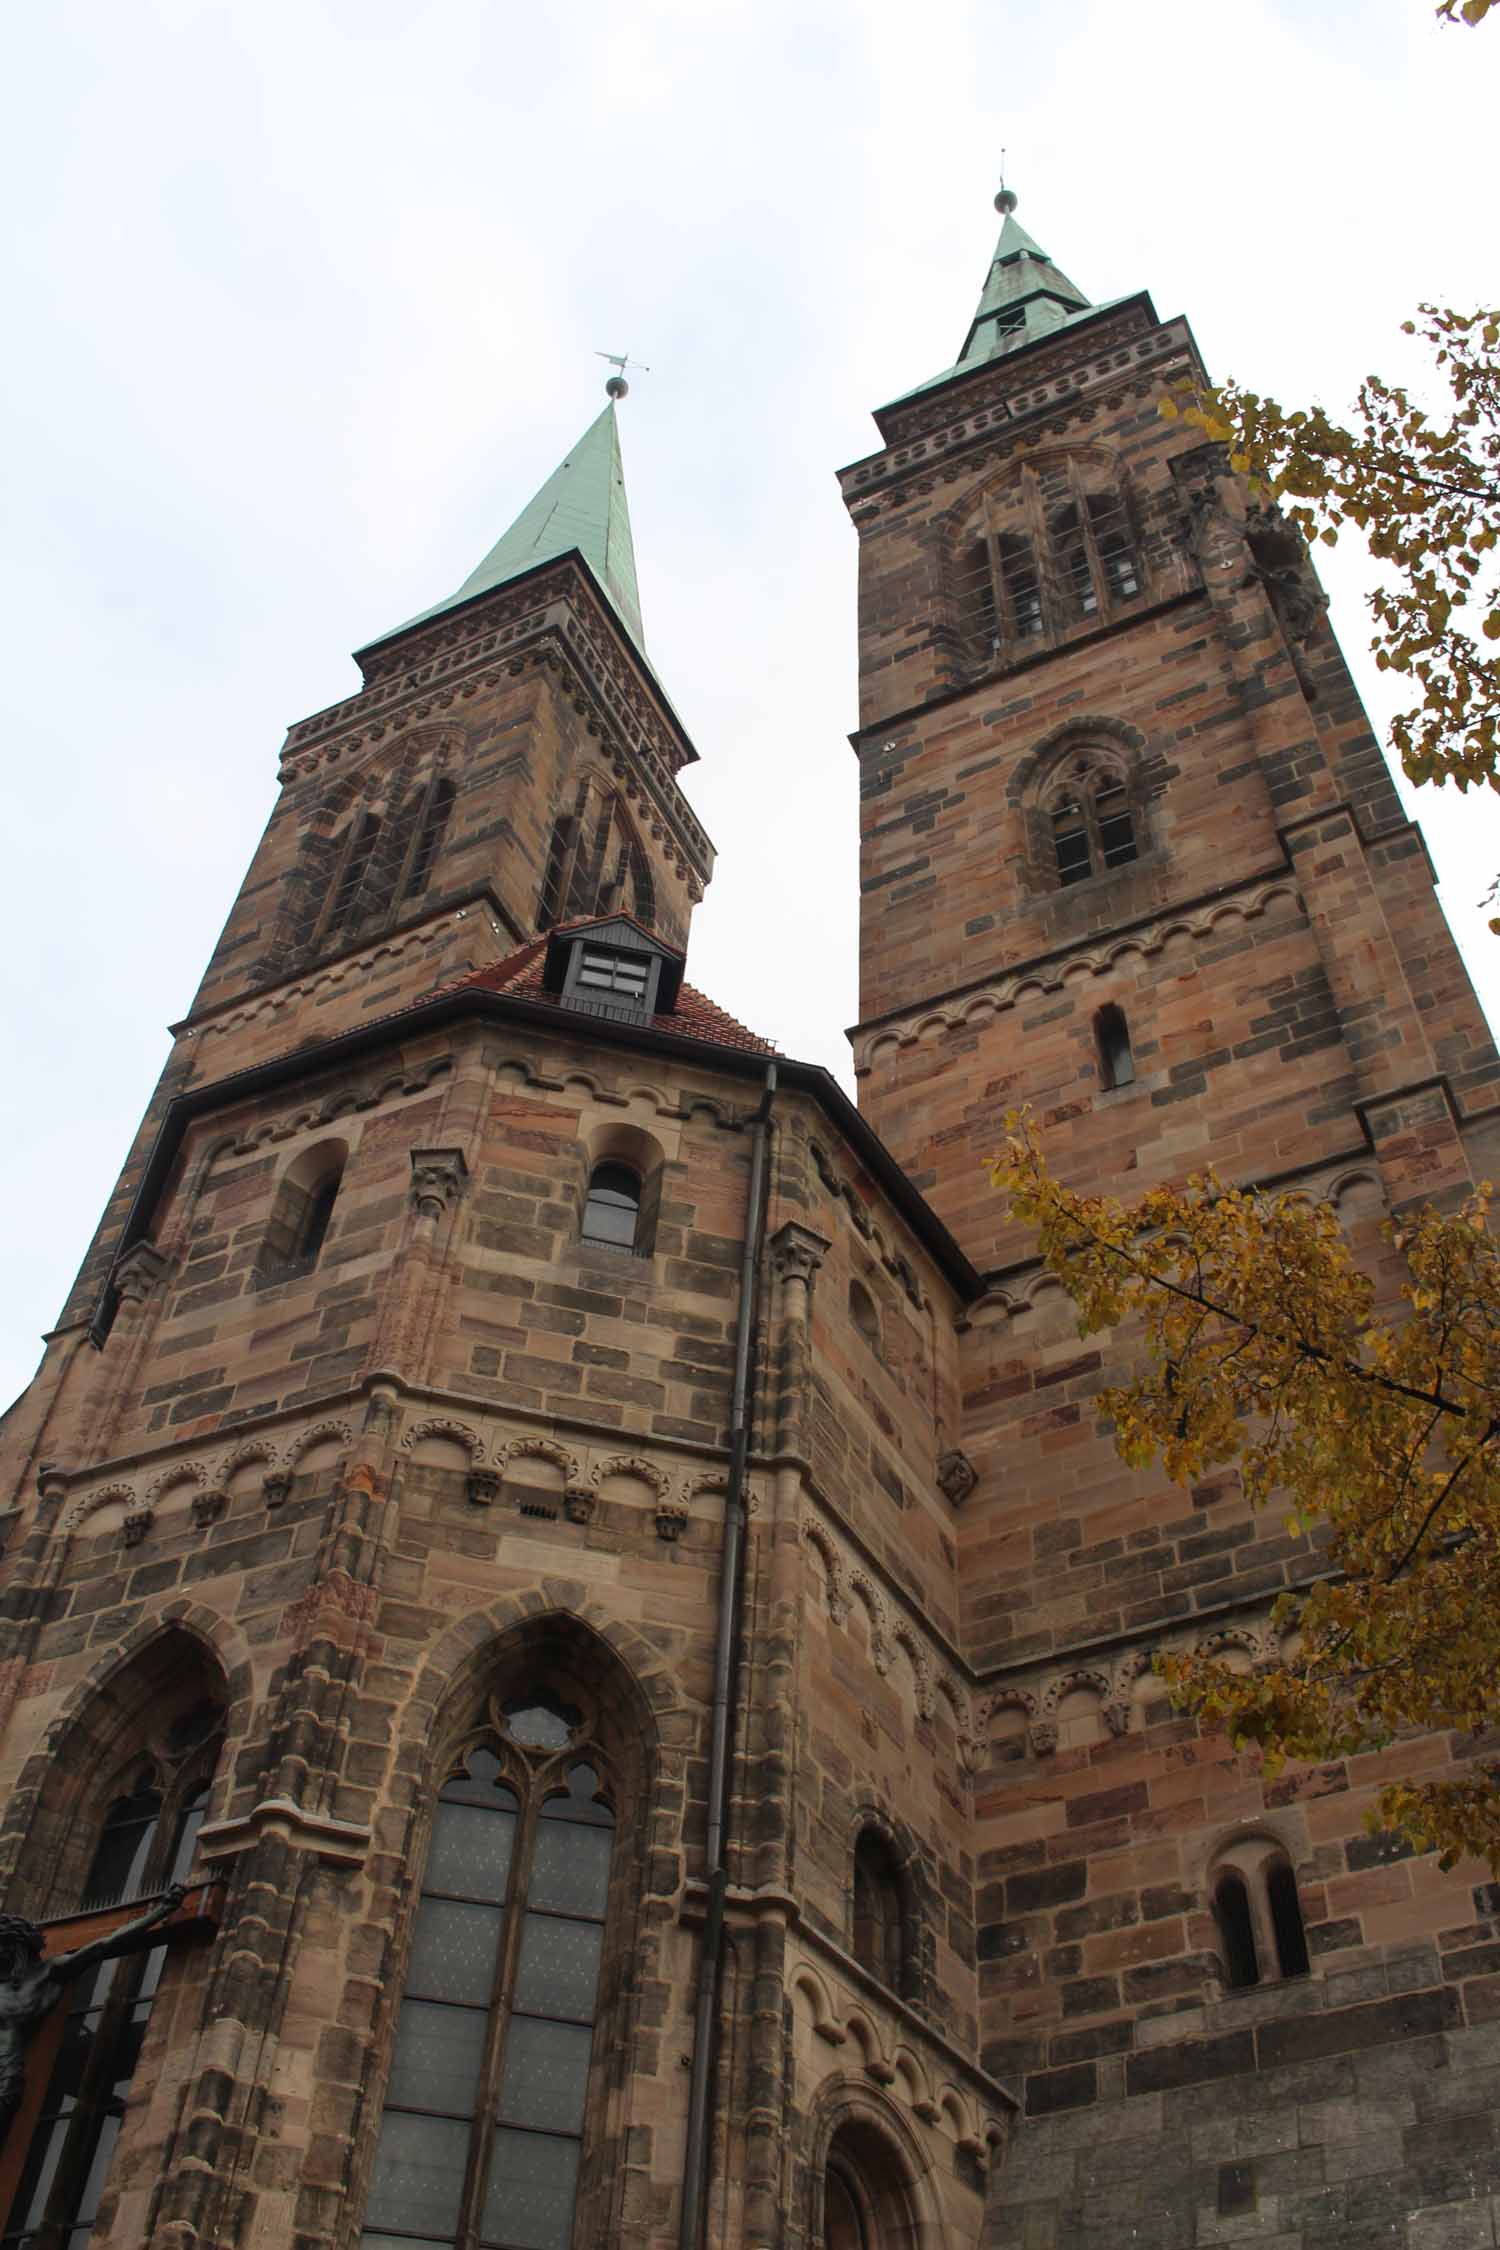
984,416
553,617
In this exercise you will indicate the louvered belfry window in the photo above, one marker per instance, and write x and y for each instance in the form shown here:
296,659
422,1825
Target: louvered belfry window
481,2137
1041,557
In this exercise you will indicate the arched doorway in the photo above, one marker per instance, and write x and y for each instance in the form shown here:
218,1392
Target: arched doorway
866,2201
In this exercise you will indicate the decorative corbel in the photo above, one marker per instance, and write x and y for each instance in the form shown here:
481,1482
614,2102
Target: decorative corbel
438,1178
956,1476
139,1271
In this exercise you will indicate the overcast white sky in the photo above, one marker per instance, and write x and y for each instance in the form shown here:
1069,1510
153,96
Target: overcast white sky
302,301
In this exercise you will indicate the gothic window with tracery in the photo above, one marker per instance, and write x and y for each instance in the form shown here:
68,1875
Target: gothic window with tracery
1053,550
1093,827
145,1842
481,2136
596,863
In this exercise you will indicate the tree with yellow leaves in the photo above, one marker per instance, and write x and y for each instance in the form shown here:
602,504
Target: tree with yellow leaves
1380,1435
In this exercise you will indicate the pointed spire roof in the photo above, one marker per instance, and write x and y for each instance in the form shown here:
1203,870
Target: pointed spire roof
1025,297
581,507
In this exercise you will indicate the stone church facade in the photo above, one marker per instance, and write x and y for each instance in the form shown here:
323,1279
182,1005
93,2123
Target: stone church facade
593,1561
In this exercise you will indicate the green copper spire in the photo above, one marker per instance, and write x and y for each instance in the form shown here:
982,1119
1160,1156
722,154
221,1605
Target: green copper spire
1025,297
581,506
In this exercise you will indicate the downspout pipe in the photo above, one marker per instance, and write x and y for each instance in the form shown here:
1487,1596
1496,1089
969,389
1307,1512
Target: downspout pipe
731,1594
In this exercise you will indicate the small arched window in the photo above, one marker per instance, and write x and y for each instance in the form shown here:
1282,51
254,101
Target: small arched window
1258,1913
1093,828
612,1207
863,1313
481,2134
1112,1037
301,1212
879,1933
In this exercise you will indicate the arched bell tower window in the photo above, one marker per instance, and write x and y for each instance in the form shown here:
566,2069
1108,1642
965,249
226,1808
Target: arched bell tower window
1047,552
481,2134
596,863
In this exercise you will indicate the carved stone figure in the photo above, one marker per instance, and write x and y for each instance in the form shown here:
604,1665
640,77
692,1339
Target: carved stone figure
30,1987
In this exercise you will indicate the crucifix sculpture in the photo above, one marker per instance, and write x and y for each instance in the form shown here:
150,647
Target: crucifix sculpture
30,1987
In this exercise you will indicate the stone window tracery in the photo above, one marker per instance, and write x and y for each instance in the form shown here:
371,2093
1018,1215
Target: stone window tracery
144,1842
1048,552
596,863
1084,800
481,2134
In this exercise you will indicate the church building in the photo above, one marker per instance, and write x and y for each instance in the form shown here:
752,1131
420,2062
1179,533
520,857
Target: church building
574,1645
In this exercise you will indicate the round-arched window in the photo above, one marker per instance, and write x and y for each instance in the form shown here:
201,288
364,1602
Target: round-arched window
612,1207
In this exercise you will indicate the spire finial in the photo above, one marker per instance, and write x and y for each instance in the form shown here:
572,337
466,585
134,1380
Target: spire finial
616,386
1007,199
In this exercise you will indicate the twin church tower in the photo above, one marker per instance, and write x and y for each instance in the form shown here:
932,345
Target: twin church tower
597,1564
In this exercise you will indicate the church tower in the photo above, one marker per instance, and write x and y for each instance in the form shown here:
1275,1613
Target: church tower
1131,858
575,1656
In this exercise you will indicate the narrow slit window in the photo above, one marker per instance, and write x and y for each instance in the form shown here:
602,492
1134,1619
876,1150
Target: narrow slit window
1116,1062
863,1313
1286,1920
430,835
302,1212
877,1910
1236,1932
612,1208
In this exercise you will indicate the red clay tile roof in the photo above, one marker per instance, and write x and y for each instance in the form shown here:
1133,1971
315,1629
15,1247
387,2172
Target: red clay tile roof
695,1016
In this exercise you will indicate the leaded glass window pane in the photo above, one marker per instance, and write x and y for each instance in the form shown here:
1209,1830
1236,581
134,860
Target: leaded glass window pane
471,1847
546,2074
453,1952
532,2187
570,1872
439,2054
419,2172
559,1967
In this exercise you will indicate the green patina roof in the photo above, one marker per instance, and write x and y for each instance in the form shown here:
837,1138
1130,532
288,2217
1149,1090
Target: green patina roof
581,506
1025,297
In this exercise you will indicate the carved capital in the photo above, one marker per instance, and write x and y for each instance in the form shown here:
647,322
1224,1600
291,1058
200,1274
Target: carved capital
671,1519
956,1476
208,1506
138,1271
276,1486
579,1503
136,1525
438,1178
797,1253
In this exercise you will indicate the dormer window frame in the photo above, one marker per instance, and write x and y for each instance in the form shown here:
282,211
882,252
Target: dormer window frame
612,976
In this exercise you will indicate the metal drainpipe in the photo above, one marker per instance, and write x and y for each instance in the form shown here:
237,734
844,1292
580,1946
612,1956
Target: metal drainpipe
706,2022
